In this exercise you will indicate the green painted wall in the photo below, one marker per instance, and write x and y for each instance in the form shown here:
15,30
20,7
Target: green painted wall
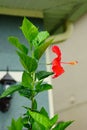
9,25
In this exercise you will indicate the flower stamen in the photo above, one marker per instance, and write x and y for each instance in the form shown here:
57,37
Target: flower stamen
71,62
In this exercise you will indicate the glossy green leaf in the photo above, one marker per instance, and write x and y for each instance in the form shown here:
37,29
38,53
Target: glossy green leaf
14,41
13,125
43,74
16,124
27,62
40,118
42,36
19,124
44,112
62,125
41,49
38,126
43,87
26,92
27,80
54,120
29,30
38,83
11,90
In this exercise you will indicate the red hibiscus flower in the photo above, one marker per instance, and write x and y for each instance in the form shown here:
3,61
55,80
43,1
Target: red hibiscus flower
56,63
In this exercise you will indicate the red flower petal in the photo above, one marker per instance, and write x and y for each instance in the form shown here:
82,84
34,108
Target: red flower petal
57,51
56,63
57,68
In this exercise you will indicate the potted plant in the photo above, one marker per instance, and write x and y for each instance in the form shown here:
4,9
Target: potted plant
32,82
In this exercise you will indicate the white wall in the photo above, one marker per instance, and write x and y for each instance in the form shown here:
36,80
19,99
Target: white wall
70,89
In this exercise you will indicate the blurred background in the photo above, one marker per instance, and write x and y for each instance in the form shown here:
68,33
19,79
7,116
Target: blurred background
69,96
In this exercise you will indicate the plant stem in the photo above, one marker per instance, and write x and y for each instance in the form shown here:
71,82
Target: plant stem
33,87
45,64
32,100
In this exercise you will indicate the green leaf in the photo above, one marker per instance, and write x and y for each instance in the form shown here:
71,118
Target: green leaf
43,74
38,126
40,118
44,112
16,124
11,90
26,92
30,64
40,38
38,83
43,87
62,125
27,80
41,49
19,123
13,126
29,30
54,120
25,120
14,41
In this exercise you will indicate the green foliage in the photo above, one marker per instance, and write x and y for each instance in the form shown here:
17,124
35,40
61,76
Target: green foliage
29,63
38,126
41,37
43,74
26,92
40,118
33,81
29,30
27,80
62,125
41,49
44,112
11,90
14,41
43,87
34,105
16,124
54,120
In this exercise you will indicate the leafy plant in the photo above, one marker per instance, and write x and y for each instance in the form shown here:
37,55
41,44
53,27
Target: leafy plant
16,124
33,81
